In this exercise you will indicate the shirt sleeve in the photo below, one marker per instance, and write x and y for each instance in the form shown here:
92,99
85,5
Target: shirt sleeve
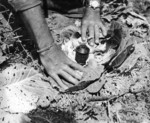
21,5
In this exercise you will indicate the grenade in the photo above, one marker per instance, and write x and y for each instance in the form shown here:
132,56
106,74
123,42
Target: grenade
82,54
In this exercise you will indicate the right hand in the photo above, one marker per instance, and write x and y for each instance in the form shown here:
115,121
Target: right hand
91,22
57,65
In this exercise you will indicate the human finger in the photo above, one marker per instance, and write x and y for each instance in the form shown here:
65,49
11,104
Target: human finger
91,31
83,31
76,66
96,34
68,77
104,31
73,73
58,80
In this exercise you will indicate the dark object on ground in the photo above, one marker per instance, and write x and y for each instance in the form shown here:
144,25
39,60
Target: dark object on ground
114,36
115,41
82,53
39,120
120,58
51,115
80,86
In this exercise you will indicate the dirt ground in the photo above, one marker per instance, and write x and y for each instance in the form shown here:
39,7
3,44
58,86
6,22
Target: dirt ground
117,96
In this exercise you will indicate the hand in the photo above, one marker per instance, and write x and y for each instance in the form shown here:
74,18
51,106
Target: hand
58,64
91,23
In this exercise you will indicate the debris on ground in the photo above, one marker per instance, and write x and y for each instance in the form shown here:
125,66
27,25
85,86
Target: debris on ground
119,93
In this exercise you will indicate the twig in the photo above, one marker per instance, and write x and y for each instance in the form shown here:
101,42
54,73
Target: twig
1,12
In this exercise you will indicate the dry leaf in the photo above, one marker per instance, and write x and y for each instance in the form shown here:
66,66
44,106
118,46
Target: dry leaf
2,58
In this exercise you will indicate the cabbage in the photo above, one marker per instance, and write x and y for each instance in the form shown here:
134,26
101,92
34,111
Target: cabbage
22,89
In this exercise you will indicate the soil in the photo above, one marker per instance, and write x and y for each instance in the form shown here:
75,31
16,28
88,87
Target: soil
123,96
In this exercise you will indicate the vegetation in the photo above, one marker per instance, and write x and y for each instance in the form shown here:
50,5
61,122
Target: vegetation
118,96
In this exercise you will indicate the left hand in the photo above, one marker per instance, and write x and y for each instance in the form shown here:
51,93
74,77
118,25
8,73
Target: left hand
91,23
58,65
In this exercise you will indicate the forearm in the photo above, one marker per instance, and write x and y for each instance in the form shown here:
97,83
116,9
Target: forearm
36,24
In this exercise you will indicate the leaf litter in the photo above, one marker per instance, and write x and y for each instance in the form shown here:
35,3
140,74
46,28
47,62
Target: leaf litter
118,96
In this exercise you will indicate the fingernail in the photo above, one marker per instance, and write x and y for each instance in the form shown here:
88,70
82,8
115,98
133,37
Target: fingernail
90,37
97,41
91,44
104,33
83,39
80,74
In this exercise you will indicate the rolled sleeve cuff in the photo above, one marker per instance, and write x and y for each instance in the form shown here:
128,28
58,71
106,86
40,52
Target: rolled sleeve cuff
22,5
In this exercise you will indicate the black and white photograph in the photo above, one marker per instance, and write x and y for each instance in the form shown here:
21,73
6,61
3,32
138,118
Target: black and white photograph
74,61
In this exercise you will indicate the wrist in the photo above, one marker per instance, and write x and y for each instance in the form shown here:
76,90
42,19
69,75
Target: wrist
44,46
44,41
92,0
48,50
94,4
